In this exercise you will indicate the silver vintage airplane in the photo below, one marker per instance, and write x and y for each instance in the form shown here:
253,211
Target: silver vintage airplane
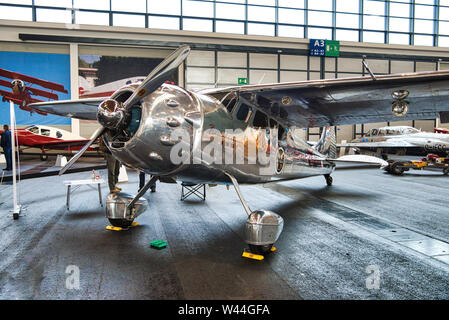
146,126
401,141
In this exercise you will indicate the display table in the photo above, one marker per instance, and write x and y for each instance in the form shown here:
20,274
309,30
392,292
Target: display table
79,183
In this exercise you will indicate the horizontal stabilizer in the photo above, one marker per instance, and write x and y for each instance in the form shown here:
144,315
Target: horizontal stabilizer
360,159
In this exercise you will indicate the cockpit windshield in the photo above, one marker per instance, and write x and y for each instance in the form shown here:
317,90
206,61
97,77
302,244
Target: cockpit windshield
410,130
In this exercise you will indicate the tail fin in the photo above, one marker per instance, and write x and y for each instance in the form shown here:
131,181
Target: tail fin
327,145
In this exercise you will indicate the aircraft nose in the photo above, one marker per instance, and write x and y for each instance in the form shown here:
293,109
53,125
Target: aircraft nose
166,120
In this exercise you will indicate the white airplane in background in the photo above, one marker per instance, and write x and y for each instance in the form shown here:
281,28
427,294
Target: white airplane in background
49,138
401,141
107,89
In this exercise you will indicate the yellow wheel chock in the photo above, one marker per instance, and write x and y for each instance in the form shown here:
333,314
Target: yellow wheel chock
254,256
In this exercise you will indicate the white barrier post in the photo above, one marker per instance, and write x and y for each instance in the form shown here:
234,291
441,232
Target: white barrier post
16,206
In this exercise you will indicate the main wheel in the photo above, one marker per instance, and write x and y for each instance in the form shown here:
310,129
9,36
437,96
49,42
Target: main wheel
122,223
257,249
329,179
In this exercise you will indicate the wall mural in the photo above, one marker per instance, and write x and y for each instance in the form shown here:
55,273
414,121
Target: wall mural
100,76
27,77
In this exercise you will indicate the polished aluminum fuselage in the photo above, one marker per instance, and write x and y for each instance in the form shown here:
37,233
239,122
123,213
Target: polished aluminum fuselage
172,108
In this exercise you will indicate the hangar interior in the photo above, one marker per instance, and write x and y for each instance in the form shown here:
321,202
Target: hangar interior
263,42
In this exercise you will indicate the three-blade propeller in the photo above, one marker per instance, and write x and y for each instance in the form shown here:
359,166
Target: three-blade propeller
111,113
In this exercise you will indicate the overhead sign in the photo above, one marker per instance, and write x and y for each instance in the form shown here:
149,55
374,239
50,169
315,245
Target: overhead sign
332,48
324,48
243,80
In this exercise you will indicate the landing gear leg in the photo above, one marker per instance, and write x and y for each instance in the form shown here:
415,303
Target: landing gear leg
121,216
263,227
329,179
142,191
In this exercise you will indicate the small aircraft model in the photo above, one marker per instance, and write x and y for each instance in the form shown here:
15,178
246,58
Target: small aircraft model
167,131
401,141
48,138
441,130
23,90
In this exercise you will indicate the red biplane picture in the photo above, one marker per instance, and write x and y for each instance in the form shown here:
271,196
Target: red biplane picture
23,88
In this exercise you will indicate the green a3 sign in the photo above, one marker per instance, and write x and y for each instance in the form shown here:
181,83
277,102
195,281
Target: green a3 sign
324,48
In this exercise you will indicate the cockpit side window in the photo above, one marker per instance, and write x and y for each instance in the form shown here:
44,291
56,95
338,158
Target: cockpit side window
260,120
368,134
243,112
381,132
374,132
45,132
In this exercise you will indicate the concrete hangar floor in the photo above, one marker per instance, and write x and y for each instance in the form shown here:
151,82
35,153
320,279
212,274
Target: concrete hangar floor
335,240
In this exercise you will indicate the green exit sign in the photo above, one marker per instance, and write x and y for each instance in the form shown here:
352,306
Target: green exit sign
243,80
324,48
332,48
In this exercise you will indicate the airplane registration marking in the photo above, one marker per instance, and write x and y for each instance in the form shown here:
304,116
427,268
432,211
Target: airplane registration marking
437,146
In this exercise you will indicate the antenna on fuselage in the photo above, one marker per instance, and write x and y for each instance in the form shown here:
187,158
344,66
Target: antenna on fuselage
365,65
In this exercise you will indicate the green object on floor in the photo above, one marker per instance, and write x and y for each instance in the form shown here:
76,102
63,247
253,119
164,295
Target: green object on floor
158,244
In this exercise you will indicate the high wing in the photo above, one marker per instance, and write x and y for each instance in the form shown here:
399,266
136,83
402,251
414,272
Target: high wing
319,103
85,109
347,101
379,144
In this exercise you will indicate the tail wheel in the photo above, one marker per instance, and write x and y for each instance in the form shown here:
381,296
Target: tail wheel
329,179
280,161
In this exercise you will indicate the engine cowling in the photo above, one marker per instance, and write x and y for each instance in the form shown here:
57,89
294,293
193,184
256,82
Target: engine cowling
147,147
